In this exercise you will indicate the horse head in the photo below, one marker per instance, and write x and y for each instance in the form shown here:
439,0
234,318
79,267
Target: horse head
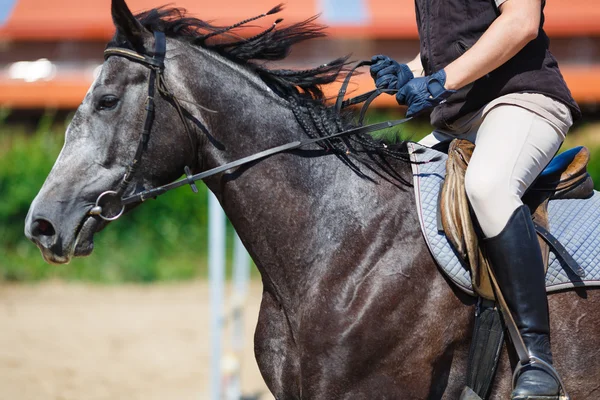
100,144
107,154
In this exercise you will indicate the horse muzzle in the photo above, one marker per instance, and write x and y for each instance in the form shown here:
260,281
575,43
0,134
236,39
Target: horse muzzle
59,246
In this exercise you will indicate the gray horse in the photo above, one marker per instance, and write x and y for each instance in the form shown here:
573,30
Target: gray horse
353,305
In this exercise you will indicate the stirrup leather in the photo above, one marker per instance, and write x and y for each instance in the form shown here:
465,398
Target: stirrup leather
525,359
543,365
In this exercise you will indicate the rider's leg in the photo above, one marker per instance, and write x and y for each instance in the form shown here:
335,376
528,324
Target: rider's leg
513,145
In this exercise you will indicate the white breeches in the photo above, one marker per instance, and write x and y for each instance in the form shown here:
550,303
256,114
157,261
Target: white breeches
513,146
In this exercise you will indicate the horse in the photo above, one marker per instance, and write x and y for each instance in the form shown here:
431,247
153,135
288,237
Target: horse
353,304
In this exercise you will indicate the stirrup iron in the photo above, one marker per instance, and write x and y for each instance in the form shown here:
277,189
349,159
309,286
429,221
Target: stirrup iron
547,368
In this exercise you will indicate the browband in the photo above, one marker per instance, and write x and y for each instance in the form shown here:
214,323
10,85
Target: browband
155,59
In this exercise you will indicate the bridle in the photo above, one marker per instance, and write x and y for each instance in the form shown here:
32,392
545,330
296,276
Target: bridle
156,63
110,205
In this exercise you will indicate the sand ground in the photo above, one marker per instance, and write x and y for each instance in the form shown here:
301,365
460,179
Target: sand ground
63,341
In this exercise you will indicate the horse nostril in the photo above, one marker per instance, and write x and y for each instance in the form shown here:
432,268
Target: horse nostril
42,227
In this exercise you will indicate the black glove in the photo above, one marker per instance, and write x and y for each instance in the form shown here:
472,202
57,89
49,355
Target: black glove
422,94
389,74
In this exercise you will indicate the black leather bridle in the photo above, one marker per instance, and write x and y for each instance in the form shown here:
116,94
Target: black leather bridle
156,63
110,205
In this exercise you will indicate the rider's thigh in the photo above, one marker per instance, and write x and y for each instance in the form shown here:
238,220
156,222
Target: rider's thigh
513,145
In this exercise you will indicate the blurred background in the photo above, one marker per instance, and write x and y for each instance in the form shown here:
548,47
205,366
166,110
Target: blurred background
97,329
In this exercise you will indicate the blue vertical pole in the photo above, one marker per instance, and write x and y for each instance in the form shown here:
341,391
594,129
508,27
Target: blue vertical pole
241,275
216,273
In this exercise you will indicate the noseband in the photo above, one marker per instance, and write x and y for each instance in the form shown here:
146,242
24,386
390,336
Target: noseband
111,204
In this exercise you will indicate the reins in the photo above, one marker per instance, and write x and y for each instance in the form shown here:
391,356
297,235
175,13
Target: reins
156,81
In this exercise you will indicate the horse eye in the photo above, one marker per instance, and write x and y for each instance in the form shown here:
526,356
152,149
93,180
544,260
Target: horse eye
107,102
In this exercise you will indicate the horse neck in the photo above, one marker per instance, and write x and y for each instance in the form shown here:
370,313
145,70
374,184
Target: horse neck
295,213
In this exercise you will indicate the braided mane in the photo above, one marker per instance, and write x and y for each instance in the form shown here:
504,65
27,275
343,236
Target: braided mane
271,44
302,88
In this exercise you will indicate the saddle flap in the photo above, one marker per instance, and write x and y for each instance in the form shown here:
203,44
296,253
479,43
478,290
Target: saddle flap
456,216
460,226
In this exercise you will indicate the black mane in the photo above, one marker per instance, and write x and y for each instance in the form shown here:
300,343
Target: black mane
269,45
301,87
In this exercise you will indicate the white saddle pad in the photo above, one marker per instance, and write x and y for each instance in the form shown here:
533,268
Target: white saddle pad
575,223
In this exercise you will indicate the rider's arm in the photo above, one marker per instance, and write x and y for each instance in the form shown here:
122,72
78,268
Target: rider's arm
516,26
416,66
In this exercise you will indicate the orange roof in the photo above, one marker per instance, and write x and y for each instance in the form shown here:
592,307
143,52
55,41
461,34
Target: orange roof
72,19
572,17
61,19
584,83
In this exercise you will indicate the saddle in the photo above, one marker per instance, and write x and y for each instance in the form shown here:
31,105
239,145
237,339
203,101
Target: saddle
561,197
566,177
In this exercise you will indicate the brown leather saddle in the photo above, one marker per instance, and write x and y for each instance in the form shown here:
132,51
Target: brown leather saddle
566,177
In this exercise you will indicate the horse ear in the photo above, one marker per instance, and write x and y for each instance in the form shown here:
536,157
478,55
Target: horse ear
127,25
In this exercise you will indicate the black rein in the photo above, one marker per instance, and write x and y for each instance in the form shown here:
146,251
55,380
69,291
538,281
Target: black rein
156,65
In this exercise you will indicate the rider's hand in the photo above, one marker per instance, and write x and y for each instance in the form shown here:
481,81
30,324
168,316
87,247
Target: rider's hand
389,74
423,94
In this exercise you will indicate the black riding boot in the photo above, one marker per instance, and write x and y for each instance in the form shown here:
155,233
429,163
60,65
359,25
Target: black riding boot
516,259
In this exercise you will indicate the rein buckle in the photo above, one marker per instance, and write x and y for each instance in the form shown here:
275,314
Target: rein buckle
190,179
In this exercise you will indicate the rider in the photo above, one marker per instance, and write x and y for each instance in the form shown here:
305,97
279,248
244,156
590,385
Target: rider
486,73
